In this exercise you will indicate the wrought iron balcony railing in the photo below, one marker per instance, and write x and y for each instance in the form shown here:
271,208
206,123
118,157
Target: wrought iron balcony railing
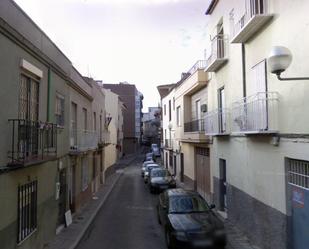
31,141
200,64
256,114
197,125
256,15
217,122
83,139
218,54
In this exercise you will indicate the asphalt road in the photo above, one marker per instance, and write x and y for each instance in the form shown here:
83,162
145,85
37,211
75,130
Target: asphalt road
127,220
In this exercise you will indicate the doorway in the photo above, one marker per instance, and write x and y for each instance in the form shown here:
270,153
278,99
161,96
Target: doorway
222,185
181,167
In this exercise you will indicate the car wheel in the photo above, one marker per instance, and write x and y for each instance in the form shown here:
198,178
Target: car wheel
168,239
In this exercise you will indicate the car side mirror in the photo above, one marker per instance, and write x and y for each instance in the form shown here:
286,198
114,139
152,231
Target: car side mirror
212,206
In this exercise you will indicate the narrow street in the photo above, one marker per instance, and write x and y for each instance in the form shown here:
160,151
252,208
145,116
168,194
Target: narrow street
128,218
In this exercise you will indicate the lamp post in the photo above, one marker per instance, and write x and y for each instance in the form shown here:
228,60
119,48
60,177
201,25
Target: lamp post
279,60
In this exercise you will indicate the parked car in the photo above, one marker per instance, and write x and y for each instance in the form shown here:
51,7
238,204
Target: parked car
155,150
149,156
189,221
149,167
160,179
144,166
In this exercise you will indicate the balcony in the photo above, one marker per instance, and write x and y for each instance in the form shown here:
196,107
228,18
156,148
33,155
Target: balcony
83,140
168,144
256,114
32,142
218,56
199,65
197,125
255,17
217,122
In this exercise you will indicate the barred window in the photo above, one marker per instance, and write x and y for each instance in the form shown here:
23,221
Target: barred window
298,173
27,210
59,109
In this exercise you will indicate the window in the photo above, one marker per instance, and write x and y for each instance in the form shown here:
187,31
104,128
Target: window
221,103
59,109
169,110
28,98
94,121
164,110
85,118
198,109
174,103
84,173
178,116
27,210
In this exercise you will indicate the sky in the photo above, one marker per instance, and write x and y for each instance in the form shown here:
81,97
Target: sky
143,42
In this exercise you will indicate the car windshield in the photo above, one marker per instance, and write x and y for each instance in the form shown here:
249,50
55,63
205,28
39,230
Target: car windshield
187,204
160,173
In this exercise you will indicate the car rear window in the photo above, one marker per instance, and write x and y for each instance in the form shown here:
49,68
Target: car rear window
187,204
159,173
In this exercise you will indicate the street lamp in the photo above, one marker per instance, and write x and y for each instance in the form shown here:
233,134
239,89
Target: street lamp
279,60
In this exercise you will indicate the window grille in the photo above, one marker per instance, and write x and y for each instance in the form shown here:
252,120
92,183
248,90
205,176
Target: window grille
27,210
298,173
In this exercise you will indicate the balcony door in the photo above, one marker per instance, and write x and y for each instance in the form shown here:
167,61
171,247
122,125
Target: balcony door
28,113
73,139
197,125
257,107
221,116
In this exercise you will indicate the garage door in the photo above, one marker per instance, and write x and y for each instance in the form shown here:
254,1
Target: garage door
202,172
298,179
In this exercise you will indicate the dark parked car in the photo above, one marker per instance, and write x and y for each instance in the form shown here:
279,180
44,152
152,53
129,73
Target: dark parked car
160,179
189,221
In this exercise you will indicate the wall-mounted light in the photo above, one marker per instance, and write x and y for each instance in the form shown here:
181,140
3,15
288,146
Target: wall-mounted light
279,60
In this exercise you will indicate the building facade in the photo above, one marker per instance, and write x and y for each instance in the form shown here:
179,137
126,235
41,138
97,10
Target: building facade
260,161
151,126
52,134
114,111
132,99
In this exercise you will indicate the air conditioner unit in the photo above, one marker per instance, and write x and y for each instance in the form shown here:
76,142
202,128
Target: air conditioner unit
204,108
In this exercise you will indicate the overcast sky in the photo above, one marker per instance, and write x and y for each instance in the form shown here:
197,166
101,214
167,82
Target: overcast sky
143,42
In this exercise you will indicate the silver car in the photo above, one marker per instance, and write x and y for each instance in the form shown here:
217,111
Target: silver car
149,167
144,166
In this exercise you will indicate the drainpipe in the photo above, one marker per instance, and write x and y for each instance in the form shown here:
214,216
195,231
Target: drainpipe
48,95
243,61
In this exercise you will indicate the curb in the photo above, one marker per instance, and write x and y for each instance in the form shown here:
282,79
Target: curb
79,238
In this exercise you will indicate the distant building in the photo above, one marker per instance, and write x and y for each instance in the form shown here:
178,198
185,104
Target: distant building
151,125
132,99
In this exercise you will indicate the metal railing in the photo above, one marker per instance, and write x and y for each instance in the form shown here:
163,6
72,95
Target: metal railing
197,125
200,64
252,8
256,114
83,139
168,143
218,49
31,141
217,122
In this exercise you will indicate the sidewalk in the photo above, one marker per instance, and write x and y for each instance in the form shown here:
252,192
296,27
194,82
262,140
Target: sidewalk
71,236
236,239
